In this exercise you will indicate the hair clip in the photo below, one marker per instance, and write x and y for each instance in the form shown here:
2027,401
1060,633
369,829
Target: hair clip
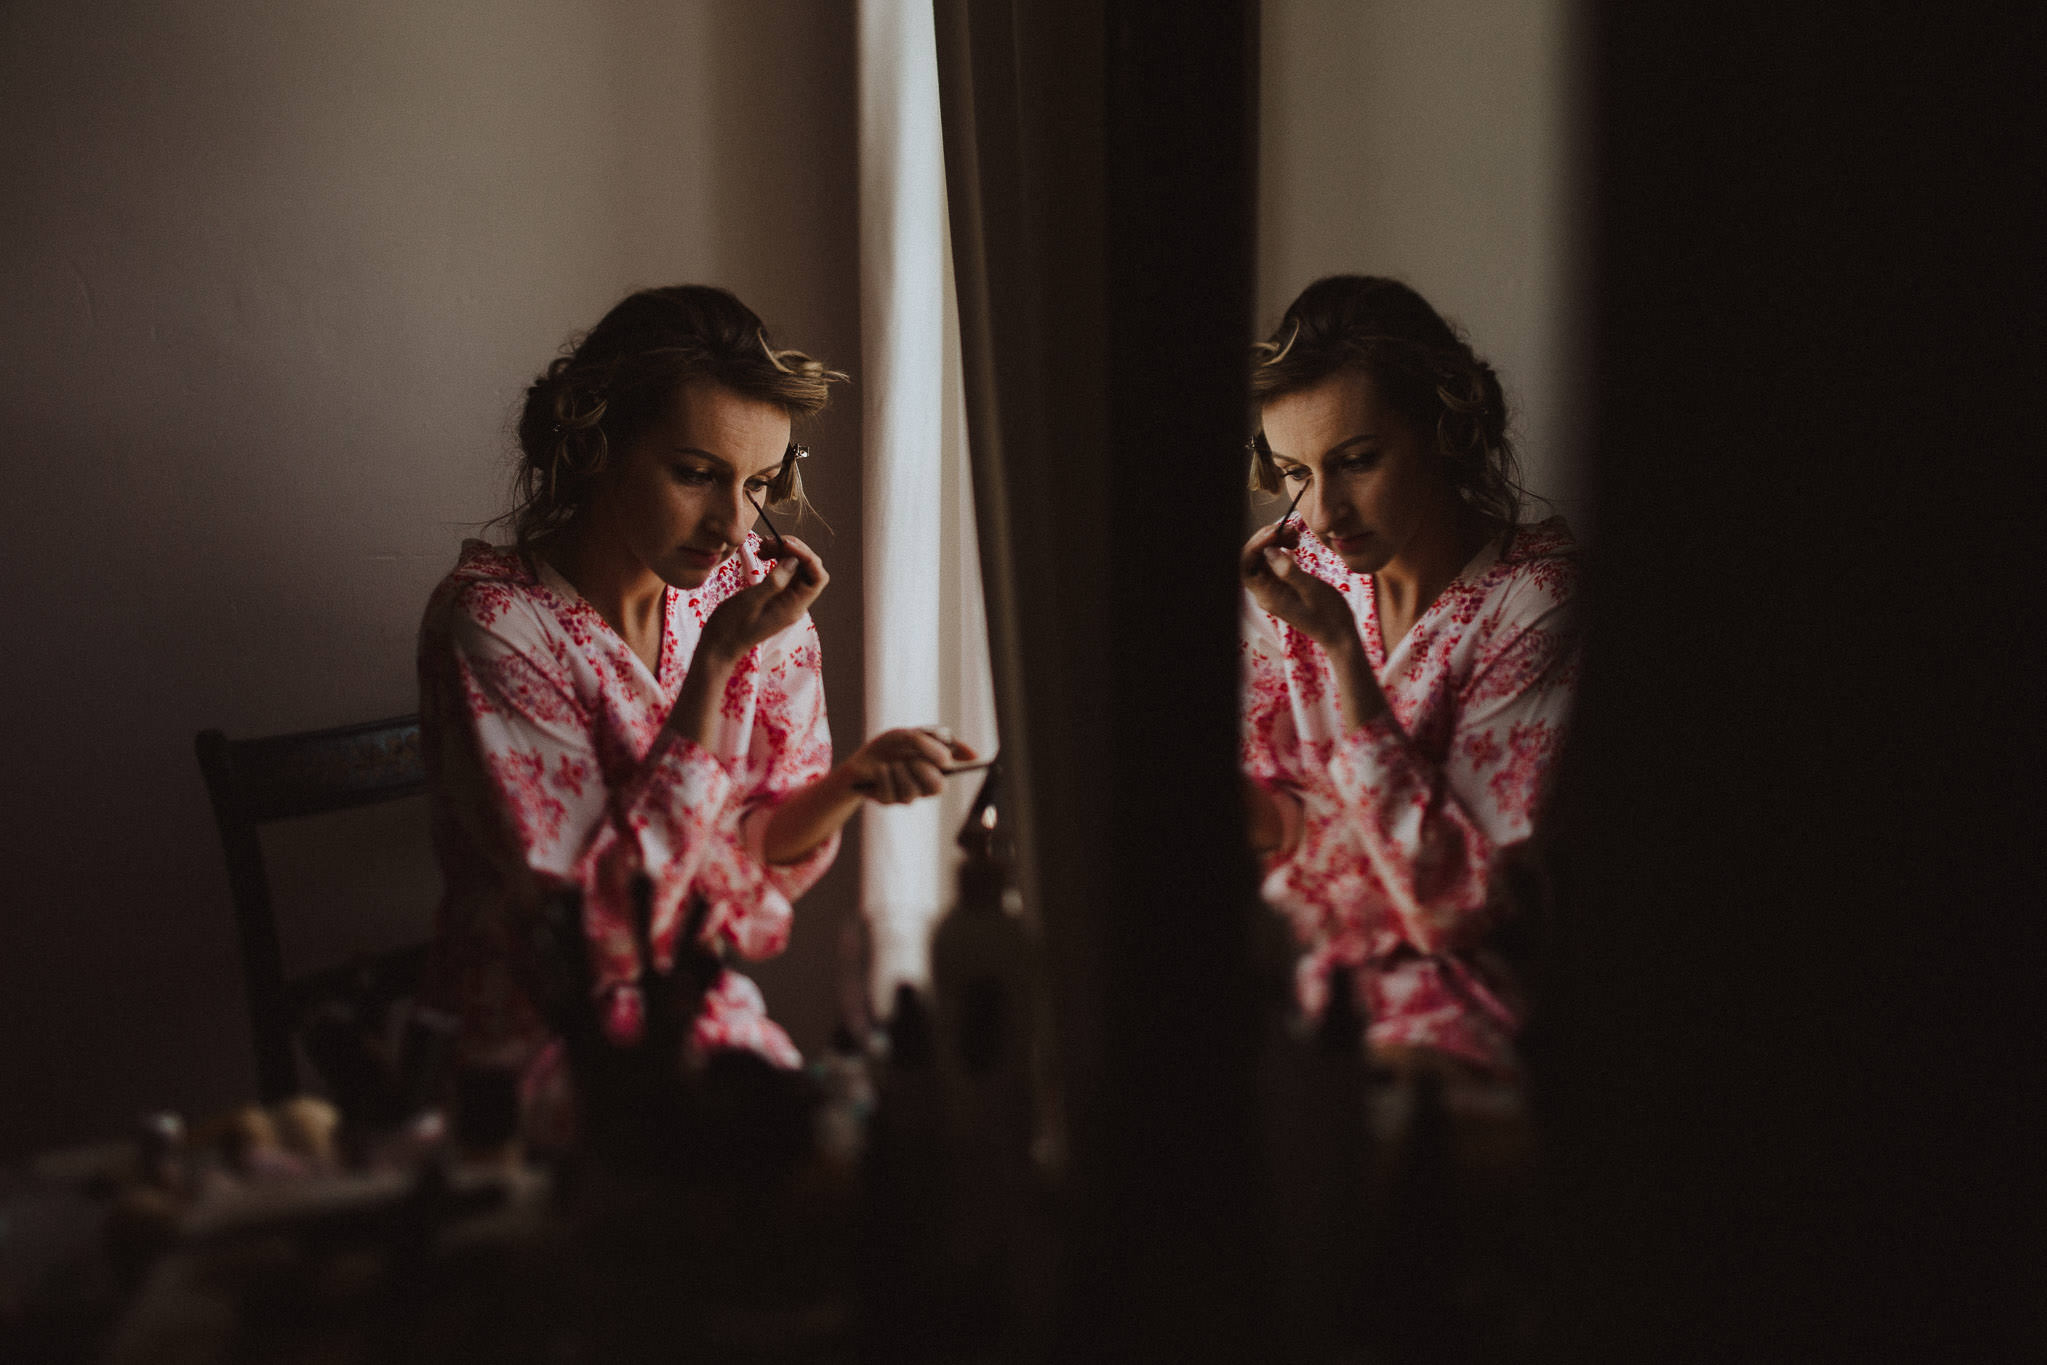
1258,450
789,456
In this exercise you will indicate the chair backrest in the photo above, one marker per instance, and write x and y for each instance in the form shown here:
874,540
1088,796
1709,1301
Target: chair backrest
255,781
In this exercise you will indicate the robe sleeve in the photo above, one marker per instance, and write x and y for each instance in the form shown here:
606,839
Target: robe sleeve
556,816
1430,831
1310,881
792,747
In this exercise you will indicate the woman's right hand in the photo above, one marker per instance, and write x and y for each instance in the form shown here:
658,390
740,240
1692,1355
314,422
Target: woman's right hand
1279,584
740,622
1274,818
766,609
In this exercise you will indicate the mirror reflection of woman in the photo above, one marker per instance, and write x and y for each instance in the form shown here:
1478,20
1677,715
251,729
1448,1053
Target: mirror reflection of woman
634,686
1410,659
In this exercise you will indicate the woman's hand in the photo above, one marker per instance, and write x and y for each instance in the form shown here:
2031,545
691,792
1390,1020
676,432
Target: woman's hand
1278,583
742,621
1281,586
1274,818
768,608
894,767
899,766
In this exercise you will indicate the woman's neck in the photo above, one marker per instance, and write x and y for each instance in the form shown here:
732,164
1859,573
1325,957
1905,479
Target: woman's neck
1431,561
610,577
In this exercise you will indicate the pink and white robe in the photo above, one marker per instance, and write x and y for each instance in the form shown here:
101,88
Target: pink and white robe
550,767
1403,818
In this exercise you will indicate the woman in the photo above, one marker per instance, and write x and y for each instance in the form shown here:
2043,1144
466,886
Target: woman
1410,657
633,687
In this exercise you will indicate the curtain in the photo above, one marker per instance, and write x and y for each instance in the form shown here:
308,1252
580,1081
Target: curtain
927,642
1101,182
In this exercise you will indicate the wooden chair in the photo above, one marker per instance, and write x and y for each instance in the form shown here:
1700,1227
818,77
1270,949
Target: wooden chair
255,781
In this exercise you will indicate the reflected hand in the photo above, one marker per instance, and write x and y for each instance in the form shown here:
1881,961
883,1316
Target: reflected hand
1282,587
900,766
1274,818
767,608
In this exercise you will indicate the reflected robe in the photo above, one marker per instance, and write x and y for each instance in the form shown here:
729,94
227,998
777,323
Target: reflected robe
550,767
1403,817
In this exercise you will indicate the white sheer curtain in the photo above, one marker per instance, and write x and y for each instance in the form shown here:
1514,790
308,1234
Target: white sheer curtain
927,641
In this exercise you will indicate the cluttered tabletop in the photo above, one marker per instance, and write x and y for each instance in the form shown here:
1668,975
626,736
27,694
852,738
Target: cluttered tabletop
900,1197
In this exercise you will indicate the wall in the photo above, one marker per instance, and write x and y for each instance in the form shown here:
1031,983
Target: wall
275,276
1427,142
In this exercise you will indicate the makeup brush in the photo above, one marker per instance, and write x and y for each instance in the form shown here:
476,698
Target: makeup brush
780,549
1295,503
869,788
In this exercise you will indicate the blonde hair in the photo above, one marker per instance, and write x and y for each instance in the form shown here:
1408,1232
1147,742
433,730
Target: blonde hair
618,378
1423,368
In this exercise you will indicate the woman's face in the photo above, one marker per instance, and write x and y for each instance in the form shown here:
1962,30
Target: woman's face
1374,478
677,500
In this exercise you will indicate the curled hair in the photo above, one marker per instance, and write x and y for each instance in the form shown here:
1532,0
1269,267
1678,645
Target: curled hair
1422,366
617,379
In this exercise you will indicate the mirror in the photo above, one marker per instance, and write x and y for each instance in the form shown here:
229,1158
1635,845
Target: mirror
1431,149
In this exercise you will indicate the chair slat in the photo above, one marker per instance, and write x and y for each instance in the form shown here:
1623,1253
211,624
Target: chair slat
304,774
255,781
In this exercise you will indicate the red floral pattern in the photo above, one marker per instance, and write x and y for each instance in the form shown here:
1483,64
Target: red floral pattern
550,768
1403,817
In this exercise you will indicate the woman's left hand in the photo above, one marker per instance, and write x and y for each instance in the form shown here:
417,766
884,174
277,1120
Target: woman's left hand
900,766
1281,586
893,768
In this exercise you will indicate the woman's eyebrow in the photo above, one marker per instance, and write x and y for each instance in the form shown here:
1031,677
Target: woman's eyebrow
724,463
1341,446
703,455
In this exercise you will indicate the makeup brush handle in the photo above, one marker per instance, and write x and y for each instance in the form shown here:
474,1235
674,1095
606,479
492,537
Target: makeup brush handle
869,788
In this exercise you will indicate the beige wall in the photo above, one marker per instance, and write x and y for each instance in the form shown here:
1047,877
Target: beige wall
1426,141
274,277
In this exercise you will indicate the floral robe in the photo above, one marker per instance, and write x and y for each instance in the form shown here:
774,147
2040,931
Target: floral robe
550,767
1403,817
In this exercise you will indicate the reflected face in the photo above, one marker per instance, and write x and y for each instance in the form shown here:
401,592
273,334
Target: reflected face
678,498
1374,478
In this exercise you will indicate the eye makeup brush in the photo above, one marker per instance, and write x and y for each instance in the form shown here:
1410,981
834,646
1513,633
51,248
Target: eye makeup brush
781,548
1295,503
